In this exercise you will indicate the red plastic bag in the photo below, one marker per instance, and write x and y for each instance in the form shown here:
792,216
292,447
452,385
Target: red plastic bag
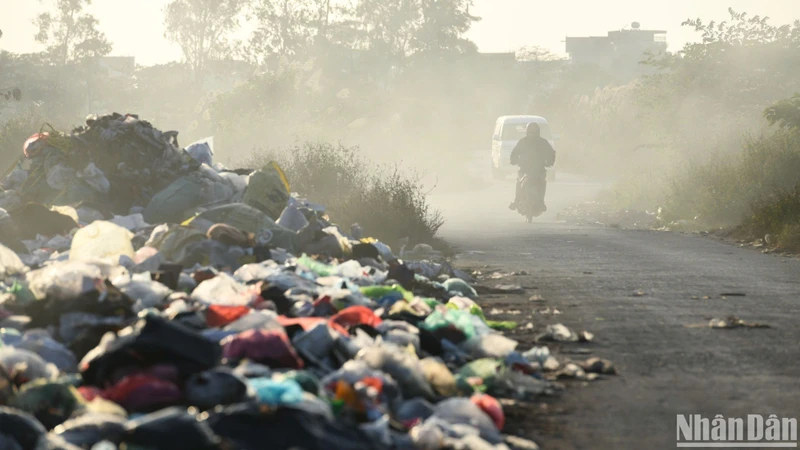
356,315
220,315
142,392
491,407
308,323
35,143
271,348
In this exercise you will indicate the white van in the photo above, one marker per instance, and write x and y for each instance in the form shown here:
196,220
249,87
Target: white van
507,132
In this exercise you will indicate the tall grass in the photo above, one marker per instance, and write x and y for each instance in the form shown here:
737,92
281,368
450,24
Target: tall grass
728,188
389,203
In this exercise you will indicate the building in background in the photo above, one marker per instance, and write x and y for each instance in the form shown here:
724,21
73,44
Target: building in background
620,53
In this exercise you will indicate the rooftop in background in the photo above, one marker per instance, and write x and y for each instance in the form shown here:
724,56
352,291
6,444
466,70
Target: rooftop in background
620,51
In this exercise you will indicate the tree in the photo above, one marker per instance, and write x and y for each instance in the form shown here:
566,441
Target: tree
536,53
785,113
285,27
70,33
390,27
442,26
202,29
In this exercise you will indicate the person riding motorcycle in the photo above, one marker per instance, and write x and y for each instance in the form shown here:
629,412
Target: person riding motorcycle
533,154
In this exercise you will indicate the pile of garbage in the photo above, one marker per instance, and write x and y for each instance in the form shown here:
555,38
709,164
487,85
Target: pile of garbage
152,299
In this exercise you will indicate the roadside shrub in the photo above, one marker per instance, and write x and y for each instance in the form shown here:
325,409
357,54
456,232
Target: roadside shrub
789,237
389,203
779,217
14,132
727,189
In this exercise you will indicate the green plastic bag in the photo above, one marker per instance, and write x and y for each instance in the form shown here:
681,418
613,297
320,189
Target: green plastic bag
460,286
377,292
452,317
493,324
321,269
479,375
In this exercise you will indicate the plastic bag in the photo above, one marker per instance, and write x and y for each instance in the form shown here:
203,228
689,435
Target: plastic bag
439,377
459,320
492,345
101,240
146,292
52,351
59,176
23,429
479,375
10,264
276,393
64,281
461,287
25,365
256,320
224,290
316,342
170,428
356,315
202,151
377,292
132,222
151,341
142,392
268,190
267,347
87,430
320,269
462,411
52,402
292,218
171,204
95,178
402,366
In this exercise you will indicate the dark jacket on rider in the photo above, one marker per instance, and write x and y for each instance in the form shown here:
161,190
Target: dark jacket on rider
533,154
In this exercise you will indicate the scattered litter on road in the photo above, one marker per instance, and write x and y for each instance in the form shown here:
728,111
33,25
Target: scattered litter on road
601,366
560,333
734,322
509,288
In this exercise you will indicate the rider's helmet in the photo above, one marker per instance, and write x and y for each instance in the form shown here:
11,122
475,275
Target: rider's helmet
533,129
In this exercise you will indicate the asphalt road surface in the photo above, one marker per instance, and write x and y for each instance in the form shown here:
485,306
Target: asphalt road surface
670,361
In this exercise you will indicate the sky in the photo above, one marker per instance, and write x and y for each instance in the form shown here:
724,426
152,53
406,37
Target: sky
136,27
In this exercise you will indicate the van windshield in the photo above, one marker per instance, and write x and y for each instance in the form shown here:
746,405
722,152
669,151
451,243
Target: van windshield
516,131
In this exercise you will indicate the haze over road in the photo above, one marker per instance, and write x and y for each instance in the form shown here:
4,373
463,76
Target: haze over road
667,366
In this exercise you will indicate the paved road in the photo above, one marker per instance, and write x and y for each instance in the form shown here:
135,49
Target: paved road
667,366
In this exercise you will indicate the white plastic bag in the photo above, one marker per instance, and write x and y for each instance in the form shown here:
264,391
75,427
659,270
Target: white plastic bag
202,151
101,240
95,178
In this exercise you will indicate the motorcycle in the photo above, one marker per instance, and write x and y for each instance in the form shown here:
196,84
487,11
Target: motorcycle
530,202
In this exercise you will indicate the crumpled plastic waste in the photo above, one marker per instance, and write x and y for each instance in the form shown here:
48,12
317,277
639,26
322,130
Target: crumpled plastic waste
10,263
271,348
101,240
560,333
202,151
